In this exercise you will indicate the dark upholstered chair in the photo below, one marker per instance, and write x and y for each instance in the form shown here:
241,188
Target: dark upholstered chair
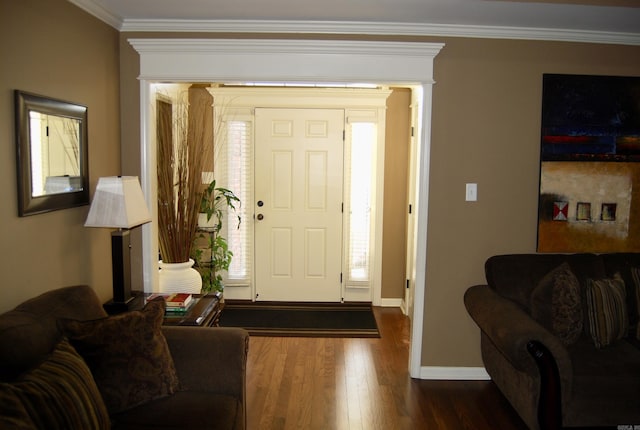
554,380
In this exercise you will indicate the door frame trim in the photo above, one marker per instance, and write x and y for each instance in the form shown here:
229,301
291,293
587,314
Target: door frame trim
301,61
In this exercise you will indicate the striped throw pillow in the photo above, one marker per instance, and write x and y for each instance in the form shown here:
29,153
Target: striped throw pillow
13,415
60,393
606,307
635,274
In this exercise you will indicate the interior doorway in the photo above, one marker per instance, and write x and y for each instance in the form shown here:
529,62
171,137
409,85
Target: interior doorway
216,60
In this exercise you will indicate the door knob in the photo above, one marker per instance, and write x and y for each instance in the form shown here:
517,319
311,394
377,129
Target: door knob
260,217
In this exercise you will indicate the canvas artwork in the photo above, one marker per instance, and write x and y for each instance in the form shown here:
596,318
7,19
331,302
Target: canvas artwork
589,164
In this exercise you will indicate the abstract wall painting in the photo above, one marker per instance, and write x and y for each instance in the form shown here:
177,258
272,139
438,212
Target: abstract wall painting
589,164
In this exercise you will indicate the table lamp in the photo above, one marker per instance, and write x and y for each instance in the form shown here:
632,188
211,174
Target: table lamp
119,203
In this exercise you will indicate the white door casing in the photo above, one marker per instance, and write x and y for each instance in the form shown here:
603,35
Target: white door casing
411,216
298,193
302,61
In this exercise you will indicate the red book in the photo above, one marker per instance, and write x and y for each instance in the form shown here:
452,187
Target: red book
179,300
175,300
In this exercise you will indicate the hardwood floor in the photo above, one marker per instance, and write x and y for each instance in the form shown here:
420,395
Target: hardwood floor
331,383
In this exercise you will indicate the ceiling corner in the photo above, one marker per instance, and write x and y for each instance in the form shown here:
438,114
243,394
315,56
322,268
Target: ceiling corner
97,10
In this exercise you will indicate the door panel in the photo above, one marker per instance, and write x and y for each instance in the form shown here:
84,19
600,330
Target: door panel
281,252
298,229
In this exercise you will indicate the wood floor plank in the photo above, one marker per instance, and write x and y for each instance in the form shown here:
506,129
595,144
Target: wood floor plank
362,384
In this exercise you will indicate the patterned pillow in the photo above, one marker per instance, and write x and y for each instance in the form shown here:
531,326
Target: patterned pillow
127,354
607,310
635,274
59,393
556,304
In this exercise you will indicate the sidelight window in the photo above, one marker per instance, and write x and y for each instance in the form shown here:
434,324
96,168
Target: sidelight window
360,167
234,170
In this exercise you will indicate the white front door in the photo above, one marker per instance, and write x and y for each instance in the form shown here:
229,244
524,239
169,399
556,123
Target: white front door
298,204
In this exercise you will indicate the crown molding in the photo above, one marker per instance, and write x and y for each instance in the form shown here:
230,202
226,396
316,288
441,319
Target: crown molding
353,27
379,28
94,8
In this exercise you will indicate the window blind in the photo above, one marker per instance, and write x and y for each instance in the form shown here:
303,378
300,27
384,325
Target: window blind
234,171
362,139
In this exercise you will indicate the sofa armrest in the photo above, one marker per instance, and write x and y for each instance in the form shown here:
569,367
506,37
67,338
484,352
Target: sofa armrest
210,358
511,329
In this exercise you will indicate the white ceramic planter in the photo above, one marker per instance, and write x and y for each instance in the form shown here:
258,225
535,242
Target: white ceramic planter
179,278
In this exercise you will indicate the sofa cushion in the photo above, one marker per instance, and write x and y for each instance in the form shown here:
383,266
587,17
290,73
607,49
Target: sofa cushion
59,393
557,305
128,356
606,385
193,410
635,274
607,310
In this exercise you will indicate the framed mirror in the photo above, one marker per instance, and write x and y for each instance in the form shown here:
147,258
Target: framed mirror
52,159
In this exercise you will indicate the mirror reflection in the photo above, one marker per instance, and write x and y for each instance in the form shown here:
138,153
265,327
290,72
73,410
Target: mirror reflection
55,154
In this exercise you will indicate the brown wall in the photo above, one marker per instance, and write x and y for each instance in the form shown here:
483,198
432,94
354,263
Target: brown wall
485,129
52,48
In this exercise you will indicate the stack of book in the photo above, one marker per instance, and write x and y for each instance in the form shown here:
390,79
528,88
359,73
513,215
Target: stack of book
176,302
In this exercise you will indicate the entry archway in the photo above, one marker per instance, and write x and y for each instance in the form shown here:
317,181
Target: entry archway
300,61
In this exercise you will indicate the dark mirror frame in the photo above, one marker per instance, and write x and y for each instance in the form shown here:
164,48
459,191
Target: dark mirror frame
27,203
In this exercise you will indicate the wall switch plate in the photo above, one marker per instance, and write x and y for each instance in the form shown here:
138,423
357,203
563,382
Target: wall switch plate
471,193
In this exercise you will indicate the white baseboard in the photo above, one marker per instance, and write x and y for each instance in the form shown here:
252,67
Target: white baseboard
403,308
454,373
391,303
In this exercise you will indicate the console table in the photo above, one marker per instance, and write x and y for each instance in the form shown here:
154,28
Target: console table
205,312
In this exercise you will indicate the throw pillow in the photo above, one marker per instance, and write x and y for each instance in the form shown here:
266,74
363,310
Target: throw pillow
127,354
556,304
13,415
607,311
59,393
635,275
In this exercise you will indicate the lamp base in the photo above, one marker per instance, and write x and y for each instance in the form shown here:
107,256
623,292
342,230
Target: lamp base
135,302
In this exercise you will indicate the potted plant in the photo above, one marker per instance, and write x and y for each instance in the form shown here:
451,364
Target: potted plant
182,151
216,255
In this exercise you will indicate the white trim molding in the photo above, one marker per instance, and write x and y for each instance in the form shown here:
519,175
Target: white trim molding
380,29
309,61
221,60
353,27
454,373
96,9
392,303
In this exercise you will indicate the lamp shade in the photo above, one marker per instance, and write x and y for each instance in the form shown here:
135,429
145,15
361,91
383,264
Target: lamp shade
118,203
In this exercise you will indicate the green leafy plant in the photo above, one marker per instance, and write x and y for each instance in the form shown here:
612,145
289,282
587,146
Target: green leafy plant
216,256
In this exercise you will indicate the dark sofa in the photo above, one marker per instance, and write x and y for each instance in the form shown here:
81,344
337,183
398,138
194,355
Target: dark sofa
557,374
210,364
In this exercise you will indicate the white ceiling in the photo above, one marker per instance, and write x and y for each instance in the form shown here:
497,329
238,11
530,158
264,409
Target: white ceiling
610,21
